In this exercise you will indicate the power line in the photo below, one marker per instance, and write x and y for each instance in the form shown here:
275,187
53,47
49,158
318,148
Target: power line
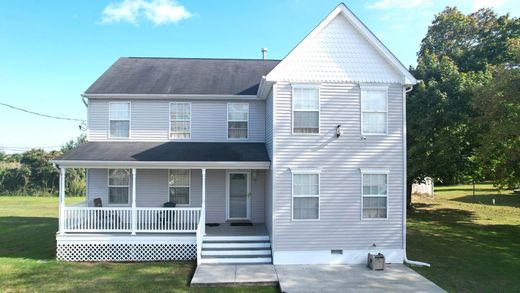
40,114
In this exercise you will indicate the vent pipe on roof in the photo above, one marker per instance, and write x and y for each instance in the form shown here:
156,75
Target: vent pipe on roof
264,53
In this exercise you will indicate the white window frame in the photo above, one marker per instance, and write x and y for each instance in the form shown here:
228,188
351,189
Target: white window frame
227,118
129,188
371,171
305,172
305,86
170,121
368,88
129,120
189,187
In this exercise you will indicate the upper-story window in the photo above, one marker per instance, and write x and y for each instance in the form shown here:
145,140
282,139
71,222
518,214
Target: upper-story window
180,120
119,119
118,186
306,109
179,186
374,110
238,120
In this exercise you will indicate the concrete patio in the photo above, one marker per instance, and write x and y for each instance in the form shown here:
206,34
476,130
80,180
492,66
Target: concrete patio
315,278
356,278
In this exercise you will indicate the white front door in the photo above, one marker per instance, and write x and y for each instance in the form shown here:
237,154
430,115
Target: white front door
238,195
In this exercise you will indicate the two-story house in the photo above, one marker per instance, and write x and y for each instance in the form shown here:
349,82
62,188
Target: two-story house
293,161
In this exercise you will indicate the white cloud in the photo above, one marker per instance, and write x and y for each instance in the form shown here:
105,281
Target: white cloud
477,4
159,12
385,4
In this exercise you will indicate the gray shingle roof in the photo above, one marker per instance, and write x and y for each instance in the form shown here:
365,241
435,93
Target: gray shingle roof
132,75
167,151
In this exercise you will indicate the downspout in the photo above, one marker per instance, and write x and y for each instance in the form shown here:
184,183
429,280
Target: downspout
405,258
84,101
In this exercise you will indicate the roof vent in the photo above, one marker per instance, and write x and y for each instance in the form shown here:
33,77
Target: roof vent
264,53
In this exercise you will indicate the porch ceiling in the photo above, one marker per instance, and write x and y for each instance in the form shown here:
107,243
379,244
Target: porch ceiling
217,155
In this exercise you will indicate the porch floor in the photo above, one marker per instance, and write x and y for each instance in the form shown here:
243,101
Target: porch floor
225,229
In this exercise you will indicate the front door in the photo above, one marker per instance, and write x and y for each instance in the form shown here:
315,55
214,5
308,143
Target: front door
238,195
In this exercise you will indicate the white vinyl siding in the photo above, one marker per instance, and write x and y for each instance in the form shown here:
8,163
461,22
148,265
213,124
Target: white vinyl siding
118,186
179,182
150,120
339,160
119,120
180,120
374,195
238,120
306,109
374,110
306,196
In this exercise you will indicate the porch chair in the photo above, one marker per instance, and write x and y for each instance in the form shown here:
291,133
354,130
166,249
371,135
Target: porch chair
105,216
163,220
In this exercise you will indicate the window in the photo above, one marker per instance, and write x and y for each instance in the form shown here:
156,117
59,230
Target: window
119,120
118,186
238,117
375,196
373,110
180,120
179,186
306,196
306,110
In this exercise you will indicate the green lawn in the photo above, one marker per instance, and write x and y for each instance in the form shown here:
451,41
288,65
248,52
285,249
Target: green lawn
27,250
472,245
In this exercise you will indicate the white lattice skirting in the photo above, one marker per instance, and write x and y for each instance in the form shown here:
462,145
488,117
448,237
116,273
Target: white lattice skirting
125,251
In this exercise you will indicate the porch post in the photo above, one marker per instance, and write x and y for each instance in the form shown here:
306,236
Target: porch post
203,209
61,200
134,206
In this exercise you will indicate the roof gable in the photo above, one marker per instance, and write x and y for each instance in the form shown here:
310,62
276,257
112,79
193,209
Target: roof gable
341,49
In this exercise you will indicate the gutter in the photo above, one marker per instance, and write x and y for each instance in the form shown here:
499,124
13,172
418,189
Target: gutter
405,258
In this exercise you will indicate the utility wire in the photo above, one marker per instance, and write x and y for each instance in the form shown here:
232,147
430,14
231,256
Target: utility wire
39,114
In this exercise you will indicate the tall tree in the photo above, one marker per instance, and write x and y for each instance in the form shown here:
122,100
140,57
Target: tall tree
498,105
452,62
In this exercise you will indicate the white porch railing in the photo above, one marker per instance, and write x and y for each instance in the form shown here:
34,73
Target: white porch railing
119,219
167,219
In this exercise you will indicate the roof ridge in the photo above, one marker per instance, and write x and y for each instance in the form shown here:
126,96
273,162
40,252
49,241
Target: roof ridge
202,58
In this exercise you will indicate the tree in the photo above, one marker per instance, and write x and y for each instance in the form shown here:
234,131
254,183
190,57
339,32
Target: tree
498,105
16,179
75,180
453,61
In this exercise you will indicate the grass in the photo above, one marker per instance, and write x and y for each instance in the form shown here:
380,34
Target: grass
472,244
28,227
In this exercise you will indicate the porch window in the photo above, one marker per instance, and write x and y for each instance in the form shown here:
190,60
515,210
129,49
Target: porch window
374,110
306,110
375,196
118,186
119,119
179,185
180,120
306,196
238,120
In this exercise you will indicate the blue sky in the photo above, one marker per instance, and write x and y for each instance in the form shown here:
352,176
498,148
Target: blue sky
51,51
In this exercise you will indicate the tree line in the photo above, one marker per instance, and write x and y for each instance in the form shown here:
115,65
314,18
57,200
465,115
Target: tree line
463,116
30,173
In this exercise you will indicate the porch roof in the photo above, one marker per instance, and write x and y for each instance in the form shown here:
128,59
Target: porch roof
166,154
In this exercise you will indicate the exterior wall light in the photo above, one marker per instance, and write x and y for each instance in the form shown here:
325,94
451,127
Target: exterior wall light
338,131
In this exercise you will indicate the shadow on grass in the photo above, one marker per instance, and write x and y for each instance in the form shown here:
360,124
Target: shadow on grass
508,200
28,237
465,256
478,189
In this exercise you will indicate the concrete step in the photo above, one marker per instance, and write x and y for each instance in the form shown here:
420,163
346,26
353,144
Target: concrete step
243,244
236,238
233,252
237,260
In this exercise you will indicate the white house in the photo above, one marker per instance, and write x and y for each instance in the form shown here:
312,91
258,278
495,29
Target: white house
300,160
